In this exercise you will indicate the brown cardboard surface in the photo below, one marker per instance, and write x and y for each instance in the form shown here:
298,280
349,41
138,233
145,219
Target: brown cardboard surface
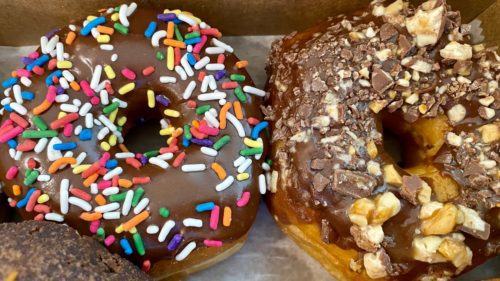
23,21
489,24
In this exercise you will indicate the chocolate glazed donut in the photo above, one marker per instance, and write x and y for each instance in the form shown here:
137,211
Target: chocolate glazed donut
385,141
71,111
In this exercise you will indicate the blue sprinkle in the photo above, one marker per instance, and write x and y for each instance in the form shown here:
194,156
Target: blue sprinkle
258,128
22,203
191,59
110,164
193,41
208,206
9,82
12,143
7,108
86,134
126,246
48,80
64,146
29,96
151,29
38,62
85,31
185,142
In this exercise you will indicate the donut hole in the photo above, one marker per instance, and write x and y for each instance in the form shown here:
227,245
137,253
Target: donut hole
144,136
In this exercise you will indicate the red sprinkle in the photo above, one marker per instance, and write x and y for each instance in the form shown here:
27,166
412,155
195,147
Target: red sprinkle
146,265
212,243
191,104
80,194
26,145
141,180
68,130
18,120
109,88
32,201
221,58
148,70
12,203
40,208
39,217
230,85
38,70
201,76
133,162
31,163
52,64
178,160
177,56
114,181
61,122
253,121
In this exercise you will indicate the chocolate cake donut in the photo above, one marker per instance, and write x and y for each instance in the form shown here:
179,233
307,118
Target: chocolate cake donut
74,149
385,143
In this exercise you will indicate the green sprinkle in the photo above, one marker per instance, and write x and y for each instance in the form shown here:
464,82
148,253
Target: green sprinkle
117,197
191,35
32,134
202,109
110,108
152,153
160,56
121,28
138,243
137,196
164,212
28,172
269,161
251,151
240,95
237,77
31,178
101,233
39,123
178,34
221,142
187,132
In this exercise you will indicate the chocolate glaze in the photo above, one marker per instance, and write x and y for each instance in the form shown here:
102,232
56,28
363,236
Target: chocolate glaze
178,191
304,69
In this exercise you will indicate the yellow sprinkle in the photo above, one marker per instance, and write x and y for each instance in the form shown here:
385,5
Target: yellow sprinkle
167,131
61,115
119,229
79,169
65,64
103,38
133,230
43,198
126,88
122,120
11,277
112,140
176,11
252,143
242,176
105,146
91,18
112,115
110,73
169,140
151,99
170,58
115,17
172,113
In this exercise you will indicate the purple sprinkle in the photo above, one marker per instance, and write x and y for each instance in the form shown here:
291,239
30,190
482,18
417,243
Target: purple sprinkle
166,17
220,74
59,90
163,100
144,160
26,60
202,142
174,243
52,32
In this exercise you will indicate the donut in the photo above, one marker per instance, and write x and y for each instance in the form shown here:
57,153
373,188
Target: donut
175,198
57,252
385,143
5,210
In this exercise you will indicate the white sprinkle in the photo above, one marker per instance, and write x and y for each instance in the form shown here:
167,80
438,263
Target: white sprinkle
141,206
102,133
111,215
79,159
64,196
54,217
222,102
107,123
6,100
110,191
158,162
64,83
52,154
187,67
12,153
245,165
189,90
114,57
215,66
223,45
122,104
66,107
43,178
107,47
68,76
123,15
254,91
208,151
59,51
202,63
212,84
181,72
93,188
152,229
18,108
262,184
107,208
166,156
97,122
225,183
123,155
266,167
236,123
204,84
131,9
214,50
104,97
186,19
77,102
258,156
27,82
89,121
72,27
95,33
16,89
18,155
239,161
189,48
115,172
43,44
62,98
190,222
193,168
212,96
40,145
186,251
84,205
211,119
96,76
127,203
51,45
167,79
155,39
165,230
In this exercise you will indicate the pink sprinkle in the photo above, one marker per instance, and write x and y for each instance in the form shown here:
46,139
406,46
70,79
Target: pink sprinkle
245,197
12,203
11,134
34,55
6,123
212,243
39,217
105,157
68,130
129,73
94,225
23,73
86,88
197,48
51,94
32,201
214,218
208,130
52,64
95,100
104,184
11,173
221,58
114,181
109,240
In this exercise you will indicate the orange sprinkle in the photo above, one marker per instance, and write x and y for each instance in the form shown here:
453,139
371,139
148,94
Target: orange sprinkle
195,123
74,86
41,108
100,200
123,148
16,189
59,162
90,180
125,183
174,43
226,219
133,222
12,276
70,38
13,73
221,173
237,110
90,216
170,30
105,29
177,132
241,64
222,117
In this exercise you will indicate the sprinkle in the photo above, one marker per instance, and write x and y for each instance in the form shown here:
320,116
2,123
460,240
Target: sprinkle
121,28
139,245
193,168
172,113
31,177
214,218
174,242
155,38
141,206
126,88
258,128
245,197
150,30
225,108
236,123
11,173
213,243
84,205
85,31
54,217
164,212
129,74
203,207
186,251
109,240
242,176
209,151
152,229
167,79
202,63
191,222
70,38
212,96
158,162
219,170
224,184
127,249
227,217
141,180
165,230
54,167
221,142
262,184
